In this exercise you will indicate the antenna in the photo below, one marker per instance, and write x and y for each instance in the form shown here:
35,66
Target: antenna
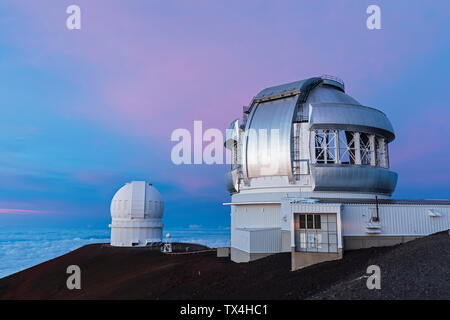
377,218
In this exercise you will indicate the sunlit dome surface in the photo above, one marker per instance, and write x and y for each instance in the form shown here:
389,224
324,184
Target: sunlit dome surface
136,210
139,198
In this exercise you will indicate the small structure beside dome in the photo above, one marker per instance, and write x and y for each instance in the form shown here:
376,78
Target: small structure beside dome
167,246
136,210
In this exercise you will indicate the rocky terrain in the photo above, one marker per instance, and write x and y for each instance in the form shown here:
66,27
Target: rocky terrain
419,269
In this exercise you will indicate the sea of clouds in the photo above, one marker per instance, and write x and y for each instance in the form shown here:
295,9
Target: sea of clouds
23,248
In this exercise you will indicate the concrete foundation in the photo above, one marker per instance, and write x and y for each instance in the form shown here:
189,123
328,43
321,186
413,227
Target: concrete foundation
223,252
362,242
242,256
304,259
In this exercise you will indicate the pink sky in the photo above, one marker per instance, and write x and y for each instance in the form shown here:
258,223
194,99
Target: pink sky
101,103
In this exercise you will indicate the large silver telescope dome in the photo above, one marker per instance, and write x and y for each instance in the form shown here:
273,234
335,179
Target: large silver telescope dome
321,132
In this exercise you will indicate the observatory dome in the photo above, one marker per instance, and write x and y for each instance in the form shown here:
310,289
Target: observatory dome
136,210
316,139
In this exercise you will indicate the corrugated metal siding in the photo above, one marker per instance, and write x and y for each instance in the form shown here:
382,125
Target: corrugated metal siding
314,208
394,219
257,241
266,216
256,216
265,241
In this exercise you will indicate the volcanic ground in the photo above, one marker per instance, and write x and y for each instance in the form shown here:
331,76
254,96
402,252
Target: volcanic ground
419,269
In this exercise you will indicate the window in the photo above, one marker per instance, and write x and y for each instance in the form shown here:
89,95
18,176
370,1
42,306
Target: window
302,221
309,221
364,145
348,147
316,232
325,145
317,224
386,155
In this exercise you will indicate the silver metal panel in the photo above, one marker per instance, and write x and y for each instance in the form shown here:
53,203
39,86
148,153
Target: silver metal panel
232,134
252,109
327,93
232,181
269,155
350,117
353,178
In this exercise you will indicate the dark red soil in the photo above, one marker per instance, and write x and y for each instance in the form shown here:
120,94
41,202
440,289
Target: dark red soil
419,269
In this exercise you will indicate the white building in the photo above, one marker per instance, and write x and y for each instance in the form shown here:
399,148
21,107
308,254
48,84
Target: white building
136,210
310,176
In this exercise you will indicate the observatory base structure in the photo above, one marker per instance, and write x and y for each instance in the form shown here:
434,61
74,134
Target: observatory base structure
311,176
319,229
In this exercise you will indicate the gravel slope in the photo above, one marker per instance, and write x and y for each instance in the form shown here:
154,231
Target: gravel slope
419,269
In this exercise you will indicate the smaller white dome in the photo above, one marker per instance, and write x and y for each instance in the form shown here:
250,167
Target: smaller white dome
137,199
136,210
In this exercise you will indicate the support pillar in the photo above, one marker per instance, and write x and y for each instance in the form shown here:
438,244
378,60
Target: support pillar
357,148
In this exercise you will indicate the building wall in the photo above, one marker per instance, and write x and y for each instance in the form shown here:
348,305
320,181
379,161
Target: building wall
395,220
246,219
256,216
398,223
265,241
257,240
129,236
240,239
